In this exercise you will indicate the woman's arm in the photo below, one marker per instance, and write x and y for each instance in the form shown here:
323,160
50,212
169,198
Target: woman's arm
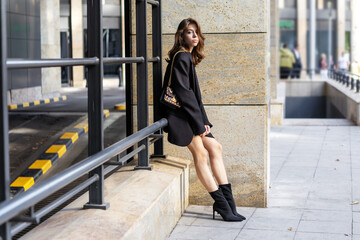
205,118
181,84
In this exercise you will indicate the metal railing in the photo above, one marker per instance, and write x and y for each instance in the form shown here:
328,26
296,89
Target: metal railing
348,79
25,200
98,156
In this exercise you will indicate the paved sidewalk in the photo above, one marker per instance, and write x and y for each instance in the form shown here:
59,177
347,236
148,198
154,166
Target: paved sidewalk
314,194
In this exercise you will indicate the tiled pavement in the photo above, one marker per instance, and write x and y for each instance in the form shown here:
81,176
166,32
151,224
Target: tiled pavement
315,185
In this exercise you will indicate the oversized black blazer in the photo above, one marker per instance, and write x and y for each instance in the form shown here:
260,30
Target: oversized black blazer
190,119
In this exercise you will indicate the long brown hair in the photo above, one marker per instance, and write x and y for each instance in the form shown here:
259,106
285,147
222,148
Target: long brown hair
197,52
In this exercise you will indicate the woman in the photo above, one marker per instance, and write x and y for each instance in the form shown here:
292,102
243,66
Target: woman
189,125
323,67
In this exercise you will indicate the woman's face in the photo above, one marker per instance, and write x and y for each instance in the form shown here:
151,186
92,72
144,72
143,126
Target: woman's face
191,36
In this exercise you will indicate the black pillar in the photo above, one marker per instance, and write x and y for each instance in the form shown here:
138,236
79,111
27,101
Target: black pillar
95,100
142,81
4,122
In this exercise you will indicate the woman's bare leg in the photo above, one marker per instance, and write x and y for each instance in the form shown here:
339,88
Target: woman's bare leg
199,153
216,160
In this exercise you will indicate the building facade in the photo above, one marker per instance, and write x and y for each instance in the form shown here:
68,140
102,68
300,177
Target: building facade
336,24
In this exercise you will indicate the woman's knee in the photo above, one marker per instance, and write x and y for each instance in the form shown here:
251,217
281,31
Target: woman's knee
200,157
215,149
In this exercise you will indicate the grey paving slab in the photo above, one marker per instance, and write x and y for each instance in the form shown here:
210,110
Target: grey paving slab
339,173
301,163
327,215
283,213
314,179
356,217
328,204
217,223
324,227
206,233
356,237
250,234
278,224
287,202
321,236
356,228
319,195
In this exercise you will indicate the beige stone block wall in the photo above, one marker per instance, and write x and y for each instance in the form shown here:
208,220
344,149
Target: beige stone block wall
233,71
274,47
214,16
276,113
242,131
50,44
77,42
234,79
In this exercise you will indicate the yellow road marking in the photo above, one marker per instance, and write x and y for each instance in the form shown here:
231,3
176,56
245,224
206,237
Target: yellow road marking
70,135
25,182
44,165
59,149
85,126
13,106
120,106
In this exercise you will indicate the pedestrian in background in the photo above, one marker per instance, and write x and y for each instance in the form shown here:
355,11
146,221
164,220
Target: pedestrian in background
287,61
297,66
343,63
323,67
188,124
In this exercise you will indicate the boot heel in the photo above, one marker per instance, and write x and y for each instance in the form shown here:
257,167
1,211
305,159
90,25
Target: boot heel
213,213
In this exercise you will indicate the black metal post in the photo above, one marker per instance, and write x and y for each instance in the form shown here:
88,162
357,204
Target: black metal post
142,81
157,74
128,73
352,83
4,124
95,101
347,81
357,86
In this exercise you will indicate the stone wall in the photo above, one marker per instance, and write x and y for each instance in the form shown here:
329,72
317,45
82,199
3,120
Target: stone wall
235,89
50,46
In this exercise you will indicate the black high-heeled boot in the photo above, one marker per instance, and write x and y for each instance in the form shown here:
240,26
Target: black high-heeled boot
226,189
222,207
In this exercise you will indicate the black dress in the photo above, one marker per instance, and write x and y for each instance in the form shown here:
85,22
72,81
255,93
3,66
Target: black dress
190,119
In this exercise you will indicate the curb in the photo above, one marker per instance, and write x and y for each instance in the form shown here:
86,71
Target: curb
44,162
30,104
121,106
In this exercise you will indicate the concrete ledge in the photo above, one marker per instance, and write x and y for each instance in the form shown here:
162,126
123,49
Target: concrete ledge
346,101
277,105
277,111
143,205
34,103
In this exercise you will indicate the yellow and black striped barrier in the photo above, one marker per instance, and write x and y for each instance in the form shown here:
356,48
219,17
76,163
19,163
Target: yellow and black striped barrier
43,163
121,106
30,104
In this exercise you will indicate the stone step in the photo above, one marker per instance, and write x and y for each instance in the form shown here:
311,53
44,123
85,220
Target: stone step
143,205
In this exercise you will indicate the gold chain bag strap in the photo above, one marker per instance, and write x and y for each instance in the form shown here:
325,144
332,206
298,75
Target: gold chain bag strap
168,96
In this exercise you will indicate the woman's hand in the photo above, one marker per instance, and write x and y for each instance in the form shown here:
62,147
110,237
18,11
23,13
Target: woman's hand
207,131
